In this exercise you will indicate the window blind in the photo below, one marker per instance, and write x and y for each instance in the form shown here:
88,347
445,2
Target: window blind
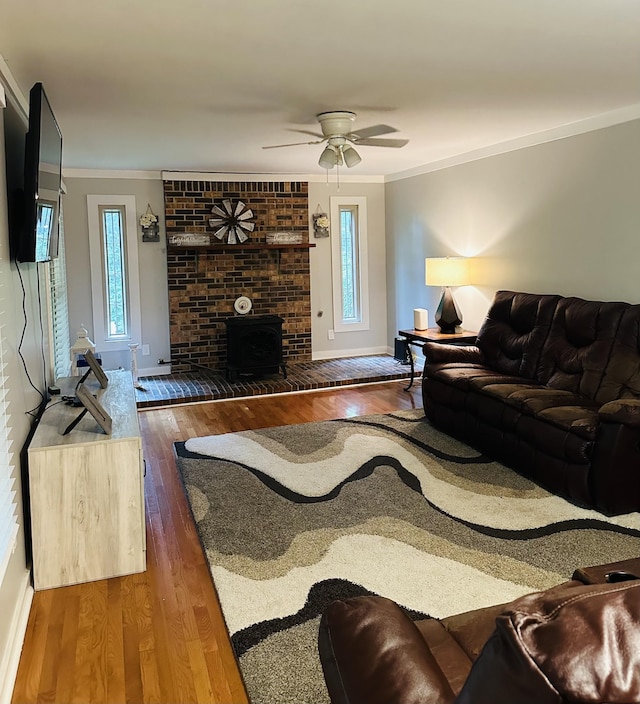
60,309
8,517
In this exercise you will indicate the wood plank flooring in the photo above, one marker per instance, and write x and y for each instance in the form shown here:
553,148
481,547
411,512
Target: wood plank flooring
159,636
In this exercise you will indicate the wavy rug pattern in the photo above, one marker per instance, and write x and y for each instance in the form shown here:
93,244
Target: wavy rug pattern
293,517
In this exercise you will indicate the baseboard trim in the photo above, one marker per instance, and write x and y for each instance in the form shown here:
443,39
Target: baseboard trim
155,371
338,354
11,658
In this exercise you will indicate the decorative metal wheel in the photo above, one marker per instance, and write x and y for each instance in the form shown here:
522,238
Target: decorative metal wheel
232,221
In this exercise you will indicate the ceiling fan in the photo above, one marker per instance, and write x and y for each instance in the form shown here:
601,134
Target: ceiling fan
337,132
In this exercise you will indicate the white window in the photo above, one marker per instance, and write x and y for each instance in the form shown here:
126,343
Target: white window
349,263
115,285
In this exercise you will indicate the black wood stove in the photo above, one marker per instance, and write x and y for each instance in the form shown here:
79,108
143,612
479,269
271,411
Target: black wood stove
254,345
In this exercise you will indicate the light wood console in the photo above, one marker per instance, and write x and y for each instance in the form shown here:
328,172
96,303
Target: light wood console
87,489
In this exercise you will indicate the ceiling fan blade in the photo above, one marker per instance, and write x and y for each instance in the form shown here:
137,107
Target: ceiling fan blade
293,144
313,134
373,131
382,142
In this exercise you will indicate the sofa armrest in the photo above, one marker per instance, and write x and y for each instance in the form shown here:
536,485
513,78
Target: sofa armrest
372,653
624,410
622,571
438,352
575,645
614,475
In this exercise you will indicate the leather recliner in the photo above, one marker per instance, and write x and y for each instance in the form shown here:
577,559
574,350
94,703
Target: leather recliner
552,389
577,642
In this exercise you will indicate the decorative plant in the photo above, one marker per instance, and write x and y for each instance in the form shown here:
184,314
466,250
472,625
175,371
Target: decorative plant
149,223
321,224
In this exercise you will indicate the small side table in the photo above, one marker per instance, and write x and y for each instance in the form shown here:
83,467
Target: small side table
417,337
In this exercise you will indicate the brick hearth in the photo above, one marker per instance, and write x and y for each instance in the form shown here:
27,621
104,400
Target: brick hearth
203,285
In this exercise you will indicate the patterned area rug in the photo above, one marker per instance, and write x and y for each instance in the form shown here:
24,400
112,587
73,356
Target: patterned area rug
293,517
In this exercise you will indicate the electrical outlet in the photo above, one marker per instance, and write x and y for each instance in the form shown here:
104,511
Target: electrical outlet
330,334
145,350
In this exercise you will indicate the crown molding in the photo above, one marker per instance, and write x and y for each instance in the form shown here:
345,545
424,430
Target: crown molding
111,173
344,178
264,177
572,129
229,176
214,176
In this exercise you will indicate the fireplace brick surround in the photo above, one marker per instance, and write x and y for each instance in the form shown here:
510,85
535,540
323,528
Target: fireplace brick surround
203,284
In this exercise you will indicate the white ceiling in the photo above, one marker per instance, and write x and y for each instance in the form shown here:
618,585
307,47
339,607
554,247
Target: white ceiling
202,85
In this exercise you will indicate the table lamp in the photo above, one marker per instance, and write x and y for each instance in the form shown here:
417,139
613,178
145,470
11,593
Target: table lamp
446,272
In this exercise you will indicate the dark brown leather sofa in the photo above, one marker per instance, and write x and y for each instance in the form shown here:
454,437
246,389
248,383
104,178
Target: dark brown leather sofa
578,642
551,389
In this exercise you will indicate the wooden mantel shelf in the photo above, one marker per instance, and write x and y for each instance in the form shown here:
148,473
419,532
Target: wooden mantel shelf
230,247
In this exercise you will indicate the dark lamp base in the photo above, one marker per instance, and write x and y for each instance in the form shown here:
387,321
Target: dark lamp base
447,314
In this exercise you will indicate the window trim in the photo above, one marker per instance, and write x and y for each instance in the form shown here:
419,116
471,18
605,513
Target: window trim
339,323
101,339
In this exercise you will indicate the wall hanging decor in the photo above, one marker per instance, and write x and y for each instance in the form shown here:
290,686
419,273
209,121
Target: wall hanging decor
242,305
321,223
284,237
232,221
189,239
149,225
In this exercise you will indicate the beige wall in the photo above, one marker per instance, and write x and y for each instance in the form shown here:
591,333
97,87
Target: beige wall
345,343
155,321
15,591
152,257
561,217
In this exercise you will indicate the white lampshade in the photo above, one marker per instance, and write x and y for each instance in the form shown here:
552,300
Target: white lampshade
328,158
446,271
351,156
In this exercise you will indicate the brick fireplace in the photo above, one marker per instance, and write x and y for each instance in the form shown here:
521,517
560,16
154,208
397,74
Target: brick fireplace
203,284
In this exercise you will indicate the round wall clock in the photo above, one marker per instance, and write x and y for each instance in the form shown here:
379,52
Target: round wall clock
232,221
242,305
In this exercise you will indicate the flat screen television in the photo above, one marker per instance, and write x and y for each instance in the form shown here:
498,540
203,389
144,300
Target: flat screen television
37,238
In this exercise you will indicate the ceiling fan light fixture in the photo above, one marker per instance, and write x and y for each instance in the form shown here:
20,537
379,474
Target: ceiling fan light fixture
351,156
339,136
328,158
336,122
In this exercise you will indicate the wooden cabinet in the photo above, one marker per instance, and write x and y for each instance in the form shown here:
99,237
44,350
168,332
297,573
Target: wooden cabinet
87,490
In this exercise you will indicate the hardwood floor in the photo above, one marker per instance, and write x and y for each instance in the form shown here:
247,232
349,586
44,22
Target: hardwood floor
159,636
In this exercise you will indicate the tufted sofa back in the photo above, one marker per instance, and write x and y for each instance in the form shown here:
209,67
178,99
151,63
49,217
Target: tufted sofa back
579,345
622,376
512,335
